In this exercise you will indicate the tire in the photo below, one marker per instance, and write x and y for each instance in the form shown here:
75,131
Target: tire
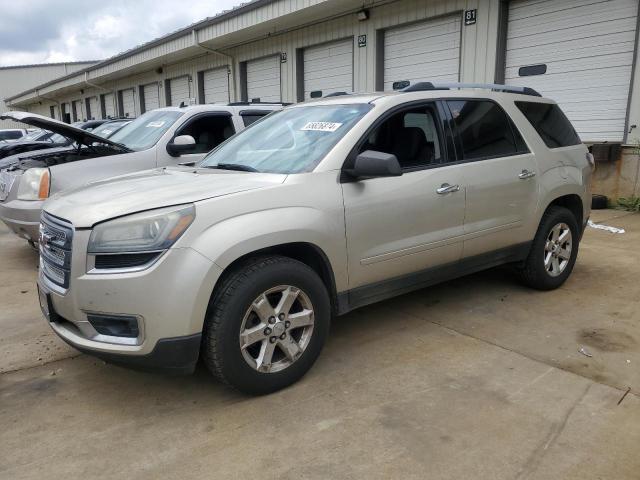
232,310
535,272
599,202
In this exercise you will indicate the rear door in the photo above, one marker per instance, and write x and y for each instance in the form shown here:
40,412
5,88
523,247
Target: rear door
400,225
500,174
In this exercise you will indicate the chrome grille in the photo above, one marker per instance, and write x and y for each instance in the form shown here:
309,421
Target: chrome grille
55,244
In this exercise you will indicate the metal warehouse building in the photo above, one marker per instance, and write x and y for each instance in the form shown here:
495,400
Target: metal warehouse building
582,53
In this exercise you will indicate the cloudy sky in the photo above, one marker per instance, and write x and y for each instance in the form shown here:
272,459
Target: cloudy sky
36,31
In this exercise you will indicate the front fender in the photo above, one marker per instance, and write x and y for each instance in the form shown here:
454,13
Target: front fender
235,237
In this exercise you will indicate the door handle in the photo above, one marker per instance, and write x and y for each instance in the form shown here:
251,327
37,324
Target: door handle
526,174
446,188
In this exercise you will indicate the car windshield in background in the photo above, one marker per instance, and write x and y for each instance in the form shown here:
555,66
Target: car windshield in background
146,130
107,129
290,141
38,135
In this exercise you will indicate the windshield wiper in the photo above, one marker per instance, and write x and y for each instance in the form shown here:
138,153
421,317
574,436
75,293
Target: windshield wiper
234,166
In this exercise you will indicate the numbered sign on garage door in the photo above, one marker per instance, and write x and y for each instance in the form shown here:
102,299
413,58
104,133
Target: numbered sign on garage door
424,51
151,93
263,79
329,67
215,84
579,54
109,105
127,103
179,91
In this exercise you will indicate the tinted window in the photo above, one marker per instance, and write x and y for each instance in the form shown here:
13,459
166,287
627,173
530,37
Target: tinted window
550,123
10,135
410,135
208,131
485,130
248,119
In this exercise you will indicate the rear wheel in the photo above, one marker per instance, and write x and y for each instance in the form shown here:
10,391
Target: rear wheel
553,251
266,324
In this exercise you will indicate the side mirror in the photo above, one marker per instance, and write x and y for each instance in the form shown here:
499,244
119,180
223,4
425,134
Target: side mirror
372,164
181,144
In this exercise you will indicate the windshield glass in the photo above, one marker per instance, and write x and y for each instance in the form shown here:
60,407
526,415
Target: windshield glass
288,141
146,130
108,129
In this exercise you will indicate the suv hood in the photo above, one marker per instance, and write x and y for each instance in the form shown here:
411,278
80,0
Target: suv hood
162,187
73,133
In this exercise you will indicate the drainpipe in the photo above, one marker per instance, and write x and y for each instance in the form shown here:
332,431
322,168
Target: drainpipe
230,59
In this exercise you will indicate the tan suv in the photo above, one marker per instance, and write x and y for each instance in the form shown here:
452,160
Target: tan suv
309,213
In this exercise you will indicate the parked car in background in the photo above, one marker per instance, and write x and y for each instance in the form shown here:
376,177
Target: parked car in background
37,140
162,137
314,211
107,129
89,125
12,134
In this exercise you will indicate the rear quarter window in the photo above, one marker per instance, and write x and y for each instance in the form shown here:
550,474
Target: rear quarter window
550,122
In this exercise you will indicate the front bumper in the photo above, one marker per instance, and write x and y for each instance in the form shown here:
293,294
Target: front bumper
169,298
22,217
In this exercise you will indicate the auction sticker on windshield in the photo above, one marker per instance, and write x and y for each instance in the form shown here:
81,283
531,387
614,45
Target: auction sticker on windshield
321,127
155,124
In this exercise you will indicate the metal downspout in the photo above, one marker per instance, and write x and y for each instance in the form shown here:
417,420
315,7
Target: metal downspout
231,59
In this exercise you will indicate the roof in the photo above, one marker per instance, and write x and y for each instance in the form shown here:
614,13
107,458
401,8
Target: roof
244,7
51,64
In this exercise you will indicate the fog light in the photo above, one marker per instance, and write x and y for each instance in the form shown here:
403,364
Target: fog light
114,325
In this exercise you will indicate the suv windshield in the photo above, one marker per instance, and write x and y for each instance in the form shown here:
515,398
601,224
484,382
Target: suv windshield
289,141
146,130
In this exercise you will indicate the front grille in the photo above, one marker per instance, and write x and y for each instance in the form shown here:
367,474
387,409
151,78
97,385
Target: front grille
55,242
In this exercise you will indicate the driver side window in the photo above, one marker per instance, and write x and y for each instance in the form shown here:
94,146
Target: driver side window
208,131
411,135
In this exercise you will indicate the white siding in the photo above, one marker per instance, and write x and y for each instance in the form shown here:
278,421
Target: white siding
179,88
588,47
216,85
424,51
151,93
109,105
329,67
94,108
128,103
263,79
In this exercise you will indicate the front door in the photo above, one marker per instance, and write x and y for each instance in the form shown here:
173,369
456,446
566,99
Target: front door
396,226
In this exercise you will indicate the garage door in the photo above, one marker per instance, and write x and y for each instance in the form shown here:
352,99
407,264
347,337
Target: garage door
425,51
179,90
76,109
263,79
127,103
329,67
581,55
151,94
109,105
93,108
215,84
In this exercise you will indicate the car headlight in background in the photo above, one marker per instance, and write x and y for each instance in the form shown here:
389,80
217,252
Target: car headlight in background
34,184
151,231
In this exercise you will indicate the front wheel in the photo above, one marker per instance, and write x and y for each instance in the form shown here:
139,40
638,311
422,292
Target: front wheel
266,324
553,251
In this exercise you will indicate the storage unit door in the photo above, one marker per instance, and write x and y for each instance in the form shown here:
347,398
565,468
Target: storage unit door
179,88
110,105
128,103
151,97
263,79
76,108
424,51
215,85
329,68
579,53
94,108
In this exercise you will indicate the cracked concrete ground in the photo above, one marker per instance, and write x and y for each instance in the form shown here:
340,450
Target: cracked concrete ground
475,378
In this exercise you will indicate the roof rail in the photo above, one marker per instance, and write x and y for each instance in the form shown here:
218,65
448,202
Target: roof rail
244,104
495,87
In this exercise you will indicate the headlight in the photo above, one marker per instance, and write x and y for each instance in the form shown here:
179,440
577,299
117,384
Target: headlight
34,184
142,232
